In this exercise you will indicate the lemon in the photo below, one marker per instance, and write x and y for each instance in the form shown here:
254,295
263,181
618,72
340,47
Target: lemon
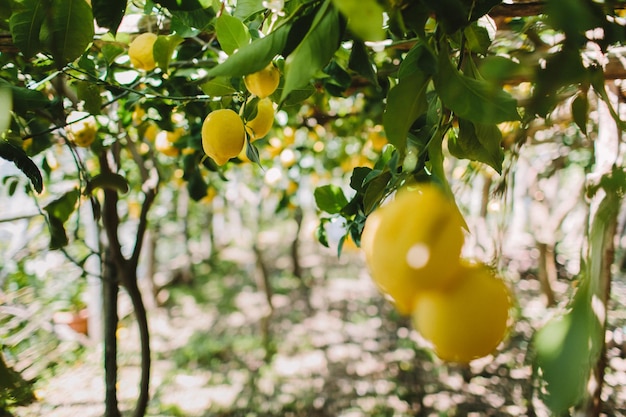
150,132
467,321
138,115
81,128
263,83
413,243
377,138
223,135
140,51
164,142
263,121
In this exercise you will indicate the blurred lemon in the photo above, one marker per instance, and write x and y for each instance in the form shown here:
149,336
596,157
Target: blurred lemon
140,51
81,128
467,321
413,243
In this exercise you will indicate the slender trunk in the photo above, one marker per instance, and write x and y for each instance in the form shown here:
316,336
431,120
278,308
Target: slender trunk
110,288
547,272
295,245
126,271
592,406
144,339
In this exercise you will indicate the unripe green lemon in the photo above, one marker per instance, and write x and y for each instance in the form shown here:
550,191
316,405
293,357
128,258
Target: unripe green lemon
140,51
413,243
223,135
468,320
263,83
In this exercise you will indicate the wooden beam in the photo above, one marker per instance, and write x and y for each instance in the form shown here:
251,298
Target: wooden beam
518,8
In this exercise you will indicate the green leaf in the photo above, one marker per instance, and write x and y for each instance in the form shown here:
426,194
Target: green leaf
457,14
478,142
231,33
419,58
187,5
23,162
196,185
361,62
190,23
26,23
580,111
498,69
358,177
89,93
561,70
477,38
320,232
58,212
252,153
405,103
338,80
27,100
254,56
64,206
375,191
314,52
365,18
109,13
108,181
110,52
6,106
218,87
574,17
330,198
71,29
164,48
246,8
472,99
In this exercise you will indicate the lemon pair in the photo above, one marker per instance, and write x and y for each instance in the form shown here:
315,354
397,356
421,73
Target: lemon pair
223,130
412,248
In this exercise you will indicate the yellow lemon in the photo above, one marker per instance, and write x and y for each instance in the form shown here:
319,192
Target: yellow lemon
150,132
140,51
467,321
164,143
81,128
377,138
263,83
413,243
223,135
263,121
138,115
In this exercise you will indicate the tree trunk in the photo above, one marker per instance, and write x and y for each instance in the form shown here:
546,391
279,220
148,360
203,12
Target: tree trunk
144,336
110,289
547,272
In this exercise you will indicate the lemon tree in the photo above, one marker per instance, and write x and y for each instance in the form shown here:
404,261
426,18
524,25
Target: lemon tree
363,98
